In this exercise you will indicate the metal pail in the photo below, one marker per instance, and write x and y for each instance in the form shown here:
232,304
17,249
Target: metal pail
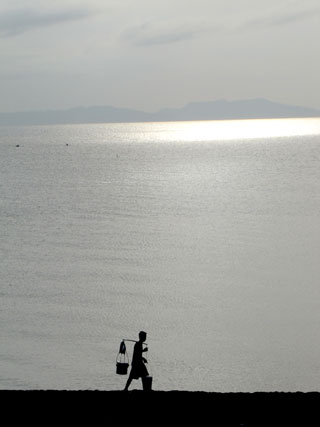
122,368
147,383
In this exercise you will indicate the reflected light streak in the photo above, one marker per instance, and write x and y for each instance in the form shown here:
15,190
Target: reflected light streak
238,129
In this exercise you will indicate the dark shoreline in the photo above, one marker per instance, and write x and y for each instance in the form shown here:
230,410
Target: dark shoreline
97,407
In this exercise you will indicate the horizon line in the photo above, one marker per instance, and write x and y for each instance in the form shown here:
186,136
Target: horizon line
92,106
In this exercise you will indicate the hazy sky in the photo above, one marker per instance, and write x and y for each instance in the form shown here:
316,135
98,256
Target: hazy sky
149,54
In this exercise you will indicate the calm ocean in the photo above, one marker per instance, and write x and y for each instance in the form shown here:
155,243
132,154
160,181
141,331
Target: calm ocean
204,234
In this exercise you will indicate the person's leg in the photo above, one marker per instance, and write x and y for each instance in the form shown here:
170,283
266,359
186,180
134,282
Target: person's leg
128,383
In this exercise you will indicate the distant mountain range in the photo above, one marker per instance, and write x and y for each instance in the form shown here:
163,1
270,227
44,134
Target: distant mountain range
216,110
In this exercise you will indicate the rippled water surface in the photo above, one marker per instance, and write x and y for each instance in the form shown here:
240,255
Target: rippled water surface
204,234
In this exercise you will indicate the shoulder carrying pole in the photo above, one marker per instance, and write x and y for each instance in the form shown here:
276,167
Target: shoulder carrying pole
124,339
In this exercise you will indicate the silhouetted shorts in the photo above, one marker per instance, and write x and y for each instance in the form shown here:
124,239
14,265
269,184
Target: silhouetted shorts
139,371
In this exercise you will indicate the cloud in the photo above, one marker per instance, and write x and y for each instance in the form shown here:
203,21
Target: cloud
281,19
290,18
150,35
17,22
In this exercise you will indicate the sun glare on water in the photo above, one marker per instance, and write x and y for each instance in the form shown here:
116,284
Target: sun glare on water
240,129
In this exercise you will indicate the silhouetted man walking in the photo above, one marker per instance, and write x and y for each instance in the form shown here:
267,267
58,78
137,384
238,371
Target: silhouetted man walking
138,367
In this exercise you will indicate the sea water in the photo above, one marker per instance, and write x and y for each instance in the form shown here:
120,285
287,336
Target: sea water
204,234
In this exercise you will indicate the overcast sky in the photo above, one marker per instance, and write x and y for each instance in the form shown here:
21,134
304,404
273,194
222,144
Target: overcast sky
149,54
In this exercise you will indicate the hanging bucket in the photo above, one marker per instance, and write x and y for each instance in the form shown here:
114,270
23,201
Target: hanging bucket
147,383
122,368
122,362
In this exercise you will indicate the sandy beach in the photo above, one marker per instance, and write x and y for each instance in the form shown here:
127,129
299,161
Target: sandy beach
170,407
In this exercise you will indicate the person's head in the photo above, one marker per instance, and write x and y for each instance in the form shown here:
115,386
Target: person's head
142,336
